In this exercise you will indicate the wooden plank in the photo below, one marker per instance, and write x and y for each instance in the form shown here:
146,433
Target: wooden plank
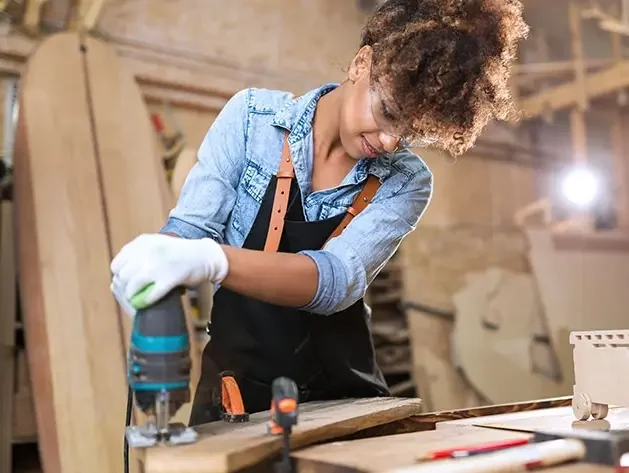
382,454
543,419
72,331
566,95
574,20
225,447
131,172
7,333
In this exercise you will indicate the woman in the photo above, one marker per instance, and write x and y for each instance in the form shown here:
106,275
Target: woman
296,203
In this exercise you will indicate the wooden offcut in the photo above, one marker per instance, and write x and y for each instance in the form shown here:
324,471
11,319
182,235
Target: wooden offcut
225,447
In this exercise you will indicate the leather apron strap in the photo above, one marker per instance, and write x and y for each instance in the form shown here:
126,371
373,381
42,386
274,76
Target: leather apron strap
285,175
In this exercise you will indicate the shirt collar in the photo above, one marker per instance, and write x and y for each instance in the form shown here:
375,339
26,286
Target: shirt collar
297,114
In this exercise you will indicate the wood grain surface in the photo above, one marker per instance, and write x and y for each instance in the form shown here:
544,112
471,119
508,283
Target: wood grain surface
225,447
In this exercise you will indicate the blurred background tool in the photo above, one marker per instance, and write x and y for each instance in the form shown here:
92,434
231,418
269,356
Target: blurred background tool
283,417
231,403
604,447
173,142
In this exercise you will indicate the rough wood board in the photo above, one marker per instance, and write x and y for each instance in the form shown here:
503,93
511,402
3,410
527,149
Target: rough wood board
7,333
227,447
381,454
553,418
431,420
71,325
133,179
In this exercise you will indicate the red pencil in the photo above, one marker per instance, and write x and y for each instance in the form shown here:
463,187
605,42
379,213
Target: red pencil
473,449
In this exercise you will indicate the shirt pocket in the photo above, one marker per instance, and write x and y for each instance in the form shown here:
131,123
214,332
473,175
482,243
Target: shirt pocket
251,191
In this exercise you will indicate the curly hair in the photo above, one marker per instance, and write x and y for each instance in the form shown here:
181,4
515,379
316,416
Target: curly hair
446,65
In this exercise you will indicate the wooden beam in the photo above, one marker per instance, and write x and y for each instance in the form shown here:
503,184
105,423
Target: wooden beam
551,68
576,39
619,151
566,95
88,21
32,15
578,127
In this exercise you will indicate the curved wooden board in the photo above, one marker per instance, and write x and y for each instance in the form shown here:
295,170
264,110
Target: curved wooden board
72,328
133,179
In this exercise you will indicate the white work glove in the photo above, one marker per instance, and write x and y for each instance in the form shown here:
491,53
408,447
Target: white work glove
164,262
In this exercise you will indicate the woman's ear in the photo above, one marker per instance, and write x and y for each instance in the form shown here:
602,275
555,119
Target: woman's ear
361,63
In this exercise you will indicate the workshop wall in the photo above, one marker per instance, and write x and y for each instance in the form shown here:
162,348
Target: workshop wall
292,45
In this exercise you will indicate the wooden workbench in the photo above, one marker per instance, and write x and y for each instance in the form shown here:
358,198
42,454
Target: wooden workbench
368,436
452,429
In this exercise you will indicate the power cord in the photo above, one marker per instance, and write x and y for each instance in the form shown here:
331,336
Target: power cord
127,424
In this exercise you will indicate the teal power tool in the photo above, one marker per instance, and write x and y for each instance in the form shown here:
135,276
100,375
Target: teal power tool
159,371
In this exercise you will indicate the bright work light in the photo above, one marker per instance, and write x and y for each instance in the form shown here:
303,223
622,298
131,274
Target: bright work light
580,186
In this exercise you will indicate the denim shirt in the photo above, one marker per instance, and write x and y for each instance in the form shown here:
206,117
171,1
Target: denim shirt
236,160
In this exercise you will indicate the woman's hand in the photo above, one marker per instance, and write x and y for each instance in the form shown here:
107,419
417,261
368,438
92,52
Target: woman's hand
164,262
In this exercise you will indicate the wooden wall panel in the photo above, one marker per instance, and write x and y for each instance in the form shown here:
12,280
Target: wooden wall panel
280,40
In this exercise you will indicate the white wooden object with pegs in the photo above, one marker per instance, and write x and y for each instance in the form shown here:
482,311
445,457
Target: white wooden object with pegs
601,358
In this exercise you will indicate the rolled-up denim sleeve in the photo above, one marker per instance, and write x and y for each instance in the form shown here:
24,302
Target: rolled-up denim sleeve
350,262
209,192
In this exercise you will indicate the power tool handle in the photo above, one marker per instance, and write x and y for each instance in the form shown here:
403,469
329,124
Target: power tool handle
284,388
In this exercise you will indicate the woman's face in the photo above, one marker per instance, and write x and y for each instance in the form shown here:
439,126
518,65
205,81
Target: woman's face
367,117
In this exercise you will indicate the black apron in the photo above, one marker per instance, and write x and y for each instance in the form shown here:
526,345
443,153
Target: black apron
328,356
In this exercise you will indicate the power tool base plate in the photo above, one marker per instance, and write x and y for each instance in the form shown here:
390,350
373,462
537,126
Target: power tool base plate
143,436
